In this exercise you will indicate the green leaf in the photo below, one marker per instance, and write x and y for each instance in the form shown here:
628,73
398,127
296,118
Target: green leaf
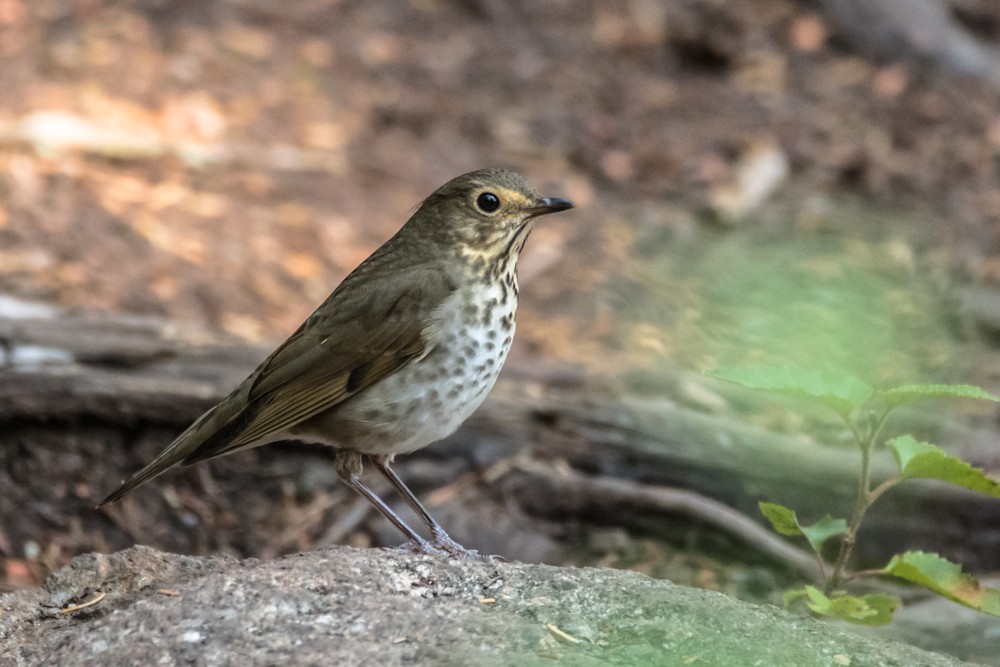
786,522
944,578
822,530
792,595
884,605
841,392
873,609
782,519
916,392
924,460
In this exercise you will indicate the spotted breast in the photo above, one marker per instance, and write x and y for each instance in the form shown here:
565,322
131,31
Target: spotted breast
427,401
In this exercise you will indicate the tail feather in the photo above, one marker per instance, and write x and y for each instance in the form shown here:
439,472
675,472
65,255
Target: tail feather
204,430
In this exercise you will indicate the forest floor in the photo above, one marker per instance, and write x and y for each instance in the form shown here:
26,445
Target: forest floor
735,165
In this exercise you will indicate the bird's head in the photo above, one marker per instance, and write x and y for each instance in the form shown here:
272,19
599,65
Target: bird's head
486,213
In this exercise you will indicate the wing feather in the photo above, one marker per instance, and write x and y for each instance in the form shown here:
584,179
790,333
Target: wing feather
335,360
349,343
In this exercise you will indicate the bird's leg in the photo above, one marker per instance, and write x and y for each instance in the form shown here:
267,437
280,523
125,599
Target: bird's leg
439,538
348,466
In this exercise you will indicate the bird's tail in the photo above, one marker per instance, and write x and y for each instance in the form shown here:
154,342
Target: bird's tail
205,429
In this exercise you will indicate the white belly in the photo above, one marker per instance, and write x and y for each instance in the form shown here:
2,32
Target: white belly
429,398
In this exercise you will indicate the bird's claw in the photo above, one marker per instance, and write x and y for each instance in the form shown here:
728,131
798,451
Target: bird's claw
441,540
443,546
423,547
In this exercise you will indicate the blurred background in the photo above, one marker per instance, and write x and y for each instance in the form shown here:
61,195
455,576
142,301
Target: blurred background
758,181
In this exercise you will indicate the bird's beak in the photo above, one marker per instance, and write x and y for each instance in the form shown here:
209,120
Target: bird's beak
548,205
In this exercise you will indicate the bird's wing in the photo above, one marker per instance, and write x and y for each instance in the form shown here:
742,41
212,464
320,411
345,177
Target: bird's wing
321,368
359,336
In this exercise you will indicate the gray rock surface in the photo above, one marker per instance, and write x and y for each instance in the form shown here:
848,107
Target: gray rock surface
344,606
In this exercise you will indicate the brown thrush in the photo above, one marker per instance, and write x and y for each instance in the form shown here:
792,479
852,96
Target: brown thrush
398,356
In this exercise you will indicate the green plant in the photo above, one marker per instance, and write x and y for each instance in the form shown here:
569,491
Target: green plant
864,410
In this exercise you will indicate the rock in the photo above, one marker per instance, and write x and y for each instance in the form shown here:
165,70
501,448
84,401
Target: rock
344,606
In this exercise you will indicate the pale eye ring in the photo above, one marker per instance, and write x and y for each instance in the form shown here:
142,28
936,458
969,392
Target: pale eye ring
488,202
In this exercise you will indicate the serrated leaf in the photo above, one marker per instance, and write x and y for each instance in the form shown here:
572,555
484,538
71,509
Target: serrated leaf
841,392
944,578
873,609
917,392
924,460
786,522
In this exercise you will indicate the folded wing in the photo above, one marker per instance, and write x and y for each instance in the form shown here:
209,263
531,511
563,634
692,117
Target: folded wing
359,336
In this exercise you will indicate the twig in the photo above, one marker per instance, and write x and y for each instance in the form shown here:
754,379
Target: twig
83,605
301,521
560,633
446,493
882,488
662,499
348,522
864,499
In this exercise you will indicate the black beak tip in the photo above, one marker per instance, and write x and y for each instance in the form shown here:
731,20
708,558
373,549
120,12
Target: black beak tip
550,205
554,204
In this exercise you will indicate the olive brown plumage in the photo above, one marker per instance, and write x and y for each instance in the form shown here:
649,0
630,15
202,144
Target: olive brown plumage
398,356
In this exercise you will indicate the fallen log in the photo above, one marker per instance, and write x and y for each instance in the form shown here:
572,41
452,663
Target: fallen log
85,399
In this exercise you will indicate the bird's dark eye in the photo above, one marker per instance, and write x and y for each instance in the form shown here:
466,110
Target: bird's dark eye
488,202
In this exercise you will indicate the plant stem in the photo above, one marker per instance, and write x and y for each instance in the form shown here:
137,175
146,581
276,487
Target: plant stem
877,492
862,503
863,573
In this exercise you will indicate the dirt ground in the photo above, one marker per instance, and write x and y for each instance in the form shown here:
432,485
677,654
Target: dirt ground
243,159
225,163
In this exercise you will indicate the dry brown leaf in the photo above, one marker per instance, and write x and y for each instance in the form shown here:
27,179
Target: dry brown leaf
808,33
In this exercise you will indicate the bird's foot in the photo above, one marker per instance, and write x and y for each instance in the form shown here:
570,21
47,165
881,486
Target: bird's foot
420,547
441,540
442,546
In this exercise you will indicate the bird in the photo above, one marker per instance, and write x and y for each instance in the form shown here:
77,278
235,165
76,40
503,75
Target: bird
399,355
